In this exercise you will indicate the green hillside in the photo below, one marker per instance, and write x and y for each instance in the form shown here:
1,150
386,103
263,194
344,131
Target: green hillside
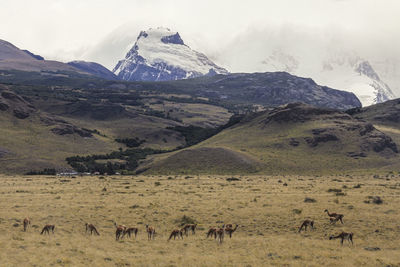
295,138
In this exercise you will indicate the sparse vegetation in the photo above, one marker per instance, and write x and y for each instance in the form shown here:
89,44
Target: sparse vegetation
43,172
128,161
130,142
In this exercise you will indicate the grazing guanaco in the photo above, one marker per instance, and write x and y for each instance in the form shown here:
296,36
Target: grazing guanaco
188,227
150,232
212,232
47,228
176,233
120,229
230,230
26,223
90,227
343,236
129,231
220,233
305,224
335,216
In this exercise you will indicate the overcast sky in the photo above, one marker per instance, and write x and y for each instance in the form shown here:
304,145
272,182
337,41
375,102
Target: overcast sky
93,29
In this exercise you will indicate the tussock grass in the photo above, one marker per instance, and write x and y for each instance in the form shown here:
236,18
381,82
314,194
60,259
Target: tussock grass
267,233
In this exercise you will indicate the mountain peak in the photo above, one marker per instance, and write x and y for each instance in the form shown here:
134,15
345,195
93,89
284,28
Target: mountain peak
160,54
162,34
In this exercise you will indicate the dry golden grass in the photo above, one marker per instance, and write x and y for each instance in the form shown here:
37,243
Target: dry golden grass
268,212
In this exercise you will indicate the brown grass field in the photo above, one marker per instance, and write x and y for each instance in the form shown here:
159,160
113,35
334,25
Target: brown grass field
268,209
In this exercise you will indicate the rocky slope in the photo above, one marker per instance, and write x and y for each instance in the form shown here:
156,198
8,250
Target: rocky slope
268,89
387,113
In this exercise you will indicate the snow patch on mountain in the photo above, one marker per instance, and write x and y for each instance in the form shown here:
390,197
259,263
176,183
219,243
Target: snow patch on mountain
345,71
160,54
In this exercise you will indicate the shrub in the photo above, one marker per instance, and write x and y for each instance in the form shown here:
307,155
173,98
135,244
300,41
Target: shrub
230,179
130,142
376,200
185,220
334,190
309,200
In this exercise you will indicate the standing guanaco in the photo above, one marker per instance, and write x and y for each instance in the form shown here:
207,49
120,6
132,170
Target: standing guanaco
343,236
47,229
305,224
230,230
26,223
335,216
220,233
176,233
120,229
212,232
188,227
129,231
90,227
150,232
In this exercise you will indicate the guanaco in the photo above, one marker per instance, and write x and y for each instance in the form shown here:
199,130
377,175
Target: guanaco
90,227
26,223
343,236
120,229
176,233
220,233
129,231
230,230
305,224
47,228
188,227
150,232
212,232
335,216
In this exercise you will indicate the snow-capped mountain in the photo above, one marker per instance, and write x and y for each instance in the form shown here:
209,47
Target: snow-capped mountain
389,71
345,71
160,54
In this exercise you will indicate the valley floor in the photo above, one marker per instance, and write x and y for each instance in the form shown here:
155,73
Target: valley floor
269,211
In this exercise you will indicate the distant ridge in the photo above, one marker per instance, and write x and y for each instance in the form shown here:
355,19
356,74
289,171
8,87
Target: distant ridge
94,69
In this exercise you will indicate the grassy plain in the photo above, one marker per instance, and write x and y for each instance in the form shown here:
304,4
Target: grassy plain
268,210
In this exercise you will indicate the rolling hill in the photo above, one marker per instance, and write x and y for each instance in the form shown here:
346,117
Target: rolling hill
384,116
290,139
31,139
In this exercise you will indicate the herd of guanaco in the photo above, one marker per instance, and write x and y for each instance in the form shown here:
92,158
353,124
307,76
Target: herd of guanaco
333,217
217,232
